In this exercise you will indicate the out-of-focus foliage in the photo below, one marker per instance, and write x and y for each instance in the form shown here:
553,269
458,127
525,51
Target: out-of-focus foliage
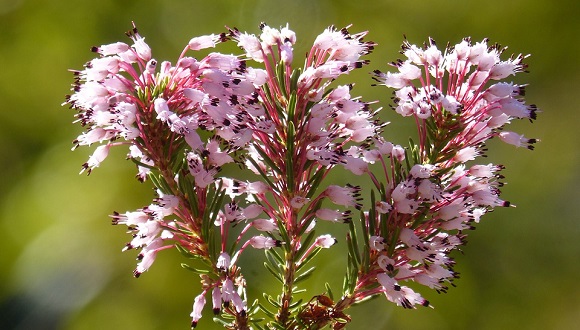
61,264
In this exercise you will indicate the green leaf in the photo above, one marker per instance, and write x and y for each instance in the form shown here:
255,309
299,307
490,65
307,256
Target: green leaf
296,303
160,183
312,210
195,270
290,157
283,233
291,108
223,323
352,256
310,257
346,279
306,274
353,241
274,262
393,242
265,310
266,159
263,175
272,254
186,253
268,99
366,258
314,181
273,272
353,279
256,324
305,245
366,236
281,77
329,291
272,301
178,159
138,163
186,187
294,79
278,326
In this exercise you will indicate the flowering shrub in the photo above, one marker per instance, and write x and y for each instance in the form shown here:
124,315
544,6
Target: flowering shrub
287,127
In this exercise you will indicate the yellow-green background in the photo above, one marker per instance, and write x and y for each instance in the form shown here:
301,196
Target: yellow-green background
61,265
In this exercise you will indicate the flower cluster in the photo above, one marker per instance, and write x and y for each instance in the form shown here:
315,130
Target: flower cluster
311,127
125,97
459,81
426,208
290,126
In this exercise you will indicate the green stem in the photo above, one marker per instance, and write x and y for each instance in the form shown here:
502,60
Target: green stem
284,316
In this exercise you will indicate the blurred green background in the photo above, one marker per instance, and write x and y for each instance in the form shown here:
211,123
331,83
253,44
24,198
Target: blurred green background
61,261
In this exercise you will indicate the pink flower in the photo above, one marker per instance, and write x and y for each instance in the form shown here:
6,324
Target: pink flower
96,158
203,42
333,215
517,140
198,305
325,241
377,243
347,196
216,299
263,242
400,295
223,261
268,225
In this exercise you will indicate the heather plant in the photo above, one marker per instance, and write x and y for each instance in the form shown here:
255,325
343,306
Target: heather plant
281,128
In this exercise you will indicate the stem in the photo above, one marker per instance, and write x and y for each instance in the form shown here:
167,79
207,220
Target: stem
284,314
